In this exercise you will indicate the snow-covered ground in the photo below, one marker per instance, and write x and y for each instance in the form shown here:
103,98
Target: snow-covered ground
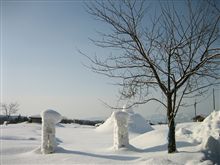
87,145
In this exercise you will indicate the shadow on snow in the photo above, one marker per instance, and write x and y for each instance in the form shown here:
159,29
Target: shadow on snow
162,147
114,157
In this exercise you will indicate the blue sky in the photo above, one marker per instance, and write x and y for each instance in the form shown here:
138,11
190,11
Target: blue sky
41,67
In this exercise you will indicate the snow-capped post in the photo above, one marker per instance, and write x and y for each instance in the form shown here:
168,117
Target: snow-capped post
49,119
128,110
120,129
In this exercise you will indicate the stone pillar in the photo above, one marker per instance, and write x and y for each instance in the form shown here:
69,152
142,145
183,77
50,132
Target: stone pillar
120,129
49,119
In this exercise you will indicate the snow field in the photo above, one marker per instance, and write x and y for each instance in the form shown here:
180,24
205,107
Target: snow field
85,145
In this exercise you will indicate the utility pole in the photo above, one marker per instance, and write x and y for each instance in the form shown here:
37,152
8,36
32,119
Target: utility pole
195,107
213,99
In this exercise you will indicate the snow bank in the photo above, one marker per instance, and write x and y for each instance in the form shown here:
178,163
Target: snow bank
136,123
107,126
209,127
206,133
49,119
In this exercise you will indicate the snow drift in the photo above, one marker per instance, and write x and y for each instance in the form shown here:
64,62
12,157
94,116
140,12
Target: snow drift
206,134
209,127
136,123
200,132
83,145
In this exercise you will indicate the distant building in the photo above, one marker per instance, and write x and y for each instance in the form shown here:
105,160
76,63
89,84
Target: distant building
35,119
198,118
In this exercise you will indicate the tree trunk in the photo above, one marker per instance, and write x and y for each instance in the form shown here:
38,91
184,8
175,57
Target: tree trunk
8,118
171,125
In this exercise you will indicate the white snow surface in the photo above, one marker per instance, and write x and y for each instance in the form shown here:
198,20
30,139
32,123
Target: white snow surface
209,127
84,145
199,132
136,124
206,134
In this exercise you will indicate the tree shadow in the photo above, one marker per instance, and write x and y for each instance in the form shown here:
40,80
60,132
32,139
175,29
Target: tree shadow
113,157
163,147
158,148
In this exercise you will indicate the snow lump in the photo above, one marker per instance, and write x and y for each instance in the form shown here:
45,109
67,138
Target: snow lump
49,119
120,129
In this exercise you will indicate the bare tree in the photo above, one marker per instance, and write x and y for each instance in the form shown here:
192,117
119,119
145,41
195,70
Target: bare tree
176,54
214,4
9,109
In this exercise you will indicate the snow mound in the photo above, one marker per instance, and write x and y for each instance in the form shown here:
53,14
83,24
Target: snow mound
136,124
209,127
107,126
51,115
